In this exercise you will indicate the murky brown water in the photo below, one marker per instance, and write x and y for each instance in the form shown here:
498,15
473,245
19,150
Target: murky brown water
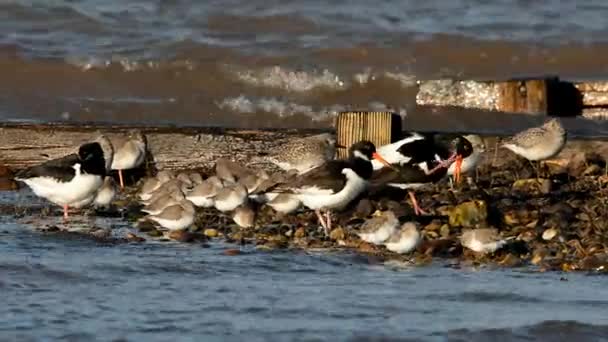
287,64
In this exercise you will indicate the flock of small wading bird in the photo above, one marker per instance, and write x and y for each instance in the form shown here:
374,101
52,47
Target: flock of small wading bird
311,179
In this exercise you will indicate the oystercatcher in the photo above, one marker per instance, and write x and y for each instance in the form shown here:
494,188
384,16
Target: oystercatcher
424,161
71,179
336,183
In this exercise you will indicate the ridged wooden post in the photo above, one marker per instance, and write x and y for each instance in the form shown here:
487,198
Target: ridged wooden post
529,96
377,127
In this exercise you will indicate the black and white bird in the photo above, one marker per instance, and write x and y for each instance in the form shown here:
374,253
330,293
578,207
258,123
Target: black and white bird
71,179
334,184
423,161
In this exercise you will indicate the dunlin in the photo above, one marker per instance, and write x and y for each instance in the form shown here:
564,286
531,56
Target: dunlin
203,194
153,183
172,196
244,216
404,240
285,203
482,240
129,153
230,172
379,228
106,193
230,197
196,178
175,217
304,154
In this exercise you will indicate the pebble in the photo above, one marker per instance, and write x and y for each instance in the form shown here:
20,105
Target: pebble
549,234
300,233
210,232
337,234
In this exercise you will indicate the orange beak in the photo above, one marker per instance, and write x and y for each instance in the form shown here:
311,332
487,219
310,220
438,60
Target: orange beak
379,158
458,169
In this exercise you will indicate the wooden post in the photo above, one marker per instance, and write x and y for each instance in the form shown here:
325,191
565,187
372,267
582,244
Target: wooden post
377,127
527,96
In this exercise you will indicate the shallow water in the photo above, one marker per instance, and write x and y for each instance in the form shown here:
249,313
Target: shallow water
55,287
277,64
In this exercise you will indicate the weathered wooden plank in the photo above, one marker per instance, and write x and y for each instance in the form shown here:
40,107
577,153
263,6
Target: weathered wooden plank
170,148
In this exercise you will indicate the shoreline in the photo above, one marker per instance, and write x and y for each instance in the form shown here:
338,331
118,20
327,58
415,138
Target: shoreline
571,203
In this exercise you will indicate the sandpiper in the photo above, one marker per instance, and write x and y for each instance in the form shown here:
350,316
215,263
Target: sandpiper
180,183
469,164
334,184
68,180
254,180
171,197
538,143
153,183
244,216
106,193
129,153
230,172
304,154
405,239
482,240
230,197
203,195
427,164
175,217
285,203
196,178
379,228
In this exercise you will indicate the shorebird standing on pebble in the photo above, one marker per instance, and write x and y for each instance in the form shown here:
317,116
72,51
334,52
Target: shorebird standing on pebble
538,143
180,183
422,161
379,228
230,197
175,217
153,183
304,154
129,153
171,197
244,216
106,193
404,240
482,240
334,184
230,172
69,180
203,195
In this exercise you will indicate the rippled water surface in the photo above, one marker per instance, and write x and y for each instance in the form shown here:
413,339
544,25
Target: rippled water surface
265,63
57,287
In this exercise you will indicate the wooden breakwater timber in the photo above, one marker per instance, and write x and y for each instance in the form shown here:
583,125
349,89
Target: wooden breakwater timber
540,96
23,145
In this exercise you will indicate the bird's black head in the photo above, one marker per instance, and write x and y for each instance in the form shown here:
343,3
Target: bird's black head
363,150
462,146
91,157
